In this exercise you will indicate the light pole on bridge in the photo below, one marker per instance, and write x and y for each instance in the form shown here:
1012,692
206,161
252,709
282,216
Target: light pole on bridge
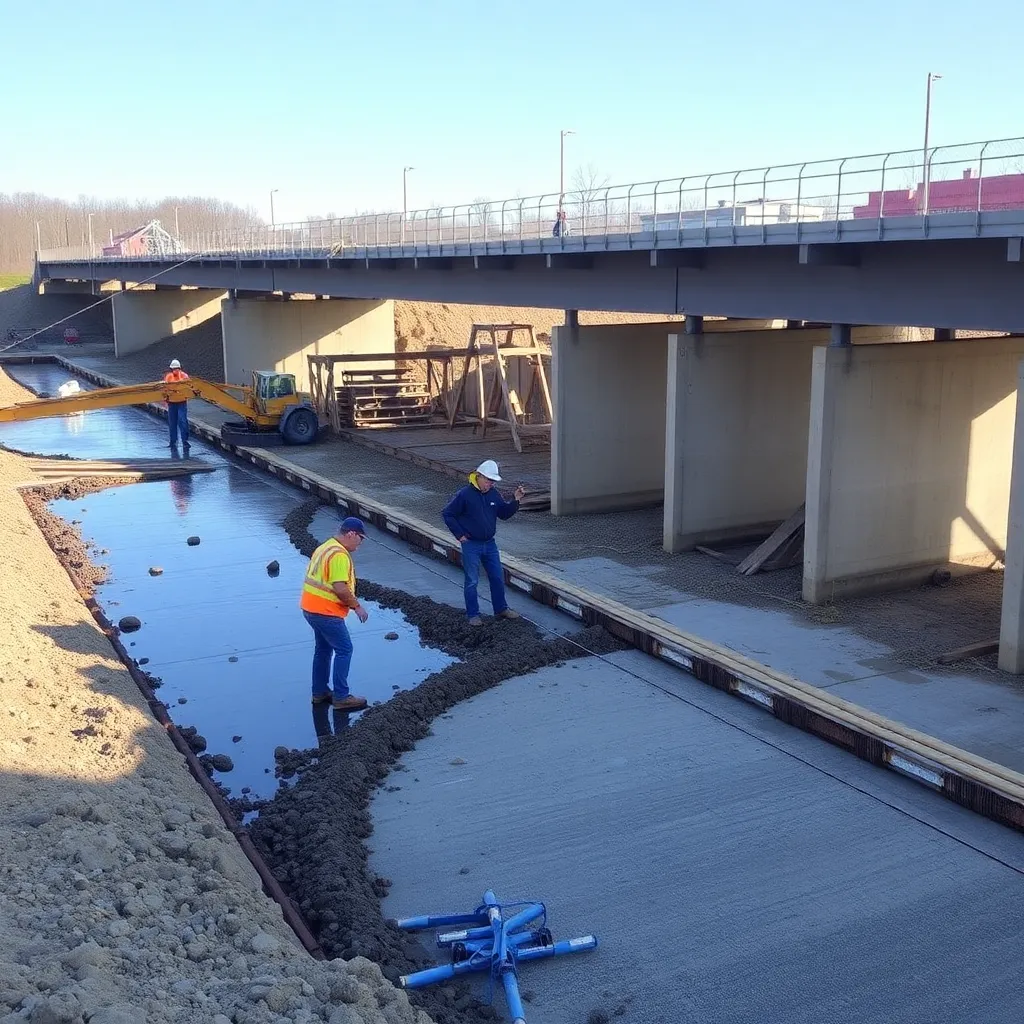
561,167
405,197
926,175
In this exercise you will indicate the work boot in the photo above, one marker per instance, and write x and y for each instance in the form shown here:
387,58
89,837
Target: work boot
349,703
475,620
508,613
322,698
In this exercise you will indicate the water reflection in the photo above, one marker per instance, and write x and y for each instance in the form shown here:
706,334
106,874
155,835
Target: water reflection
328,722
220,628
181,492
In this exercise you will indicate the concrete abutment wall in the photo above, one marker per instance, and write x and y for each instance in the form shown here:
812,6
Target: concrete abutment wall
736,432
608,438
910,449
144,317
279,334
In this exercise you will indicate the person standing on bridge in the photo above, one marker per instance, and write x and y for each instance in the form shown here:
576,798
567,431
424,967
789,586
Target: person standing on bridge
328,595
472,515
177,411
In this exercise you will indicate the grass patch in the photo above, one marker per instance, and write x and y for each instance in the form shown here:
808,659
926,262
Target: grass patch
13,280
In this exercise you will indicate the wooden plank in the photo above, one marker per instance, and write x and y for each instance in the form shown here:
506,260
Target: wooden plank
975,650
771,545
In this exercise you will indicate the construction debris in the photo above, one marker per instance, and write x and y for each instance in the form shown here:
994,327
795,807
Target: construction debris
780,550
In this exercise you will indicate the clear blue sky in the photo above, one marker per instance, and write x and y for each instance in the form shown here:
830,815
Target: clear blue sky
326,101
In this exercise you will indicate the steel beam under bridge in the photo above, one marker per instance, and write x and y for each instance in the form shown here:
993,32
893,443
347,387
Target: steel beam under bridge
969,283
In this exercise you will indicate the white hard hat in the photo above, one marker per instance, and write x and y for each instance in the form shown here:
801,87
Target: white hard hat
175,365
489,469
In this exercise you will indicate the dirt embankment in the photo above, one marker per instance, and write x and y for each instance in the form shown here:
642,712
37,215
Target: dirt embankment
423,325
123,898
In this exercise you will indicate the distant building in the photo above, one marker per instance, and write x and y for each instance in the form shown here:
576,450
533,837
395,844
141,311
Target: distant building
149,240
753,212
966,194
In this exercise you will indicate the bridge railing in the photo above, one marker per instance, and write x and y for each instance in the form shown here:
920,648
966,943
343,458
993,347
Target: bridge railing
972,177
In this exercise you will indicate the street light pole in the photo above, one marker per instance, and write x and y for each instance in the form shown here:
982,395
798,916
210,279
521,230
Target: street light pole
92,282
405,198
561,167
177,235
927,125
272,191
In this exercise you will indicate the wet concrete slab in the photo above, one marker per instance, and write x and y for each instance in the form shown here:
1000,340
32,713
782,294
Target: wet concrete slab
974,711
733,869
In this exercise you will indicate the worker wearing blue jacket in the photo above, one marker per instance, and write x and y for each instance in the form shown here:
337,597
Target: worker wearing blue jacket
472,515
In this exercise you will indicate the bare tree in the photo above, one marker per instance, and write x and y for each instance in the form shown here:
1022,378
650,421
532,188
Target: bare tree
481,216
589,193
28,219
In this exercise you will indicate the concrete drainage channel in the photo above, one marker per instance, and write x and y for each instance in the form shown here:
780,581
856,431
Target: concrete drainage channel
982,786
308,842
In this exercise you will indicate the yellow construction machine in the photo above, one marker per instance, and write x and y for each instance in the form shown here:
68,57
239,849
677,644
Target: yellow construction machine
272,410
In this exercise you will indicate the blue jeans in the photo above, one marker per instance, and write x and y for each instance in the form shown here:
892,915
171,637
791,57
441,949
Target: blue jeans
473,553
332,641
177,421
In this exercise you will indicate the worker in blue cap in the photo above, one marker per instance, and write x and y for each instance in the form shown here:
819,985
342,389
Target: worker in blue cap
328,595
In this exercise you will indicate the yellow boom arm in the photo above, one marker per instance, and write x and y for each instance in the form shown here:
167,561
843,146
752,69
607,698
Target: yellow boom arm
138,394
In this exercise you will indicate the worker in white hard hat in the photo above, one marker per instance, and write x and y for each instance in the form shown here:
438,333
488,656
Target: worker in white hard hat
472,515
177,412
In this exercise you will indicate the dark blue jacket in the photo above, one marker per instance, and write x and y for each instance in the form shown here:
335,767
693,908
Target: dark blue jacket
473,514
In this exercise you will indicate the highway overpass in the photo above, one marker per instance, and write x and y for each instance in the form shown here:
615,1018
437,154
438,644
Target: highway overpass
902,456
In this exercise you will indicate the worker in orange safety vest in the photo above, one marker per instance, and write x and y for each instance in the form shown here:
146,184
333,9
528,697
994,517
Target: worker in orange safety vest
328,594
177,412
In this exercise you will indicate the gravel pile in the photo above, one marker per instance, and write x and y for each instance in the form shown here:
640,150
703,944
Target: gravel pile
313,833
199,348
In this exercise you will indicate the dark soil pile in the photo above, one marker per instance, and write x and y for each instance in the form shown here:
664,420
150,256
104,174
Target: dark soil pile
65,538
313,833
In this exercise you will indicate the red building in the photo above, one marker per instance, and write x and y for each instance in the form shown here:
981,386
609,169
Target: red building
961,195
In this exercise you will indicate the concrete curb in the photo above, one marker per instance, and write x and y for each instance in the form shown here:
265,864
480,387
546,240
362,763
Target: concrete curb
982,786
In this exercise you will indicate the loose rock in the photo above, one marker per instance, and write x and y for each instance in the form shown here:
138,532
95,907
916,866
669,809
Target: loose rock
129,624
192,542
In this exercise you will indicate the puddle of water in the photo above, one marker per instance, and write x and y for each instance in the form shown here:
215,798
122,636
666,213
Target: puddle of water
215,601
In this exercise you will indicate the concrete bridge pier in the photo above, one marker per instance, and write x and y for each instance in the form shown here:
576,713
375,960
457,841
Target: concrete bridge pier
736,431
608,438
908,468
1011,628
144,316
278,333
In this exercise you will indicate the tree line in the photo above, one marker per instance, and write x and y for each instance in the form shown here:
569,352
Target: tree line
28,219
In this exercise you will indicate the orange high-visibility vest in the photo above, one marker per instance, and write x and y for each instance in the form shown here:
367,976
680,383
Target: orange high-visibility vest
172,378
330,563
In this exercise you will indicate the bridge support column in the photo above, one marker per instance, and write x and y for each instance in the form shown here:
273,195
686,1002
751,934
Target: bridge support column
143,317
908,466
608,437
278,334
1011,627
735,432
